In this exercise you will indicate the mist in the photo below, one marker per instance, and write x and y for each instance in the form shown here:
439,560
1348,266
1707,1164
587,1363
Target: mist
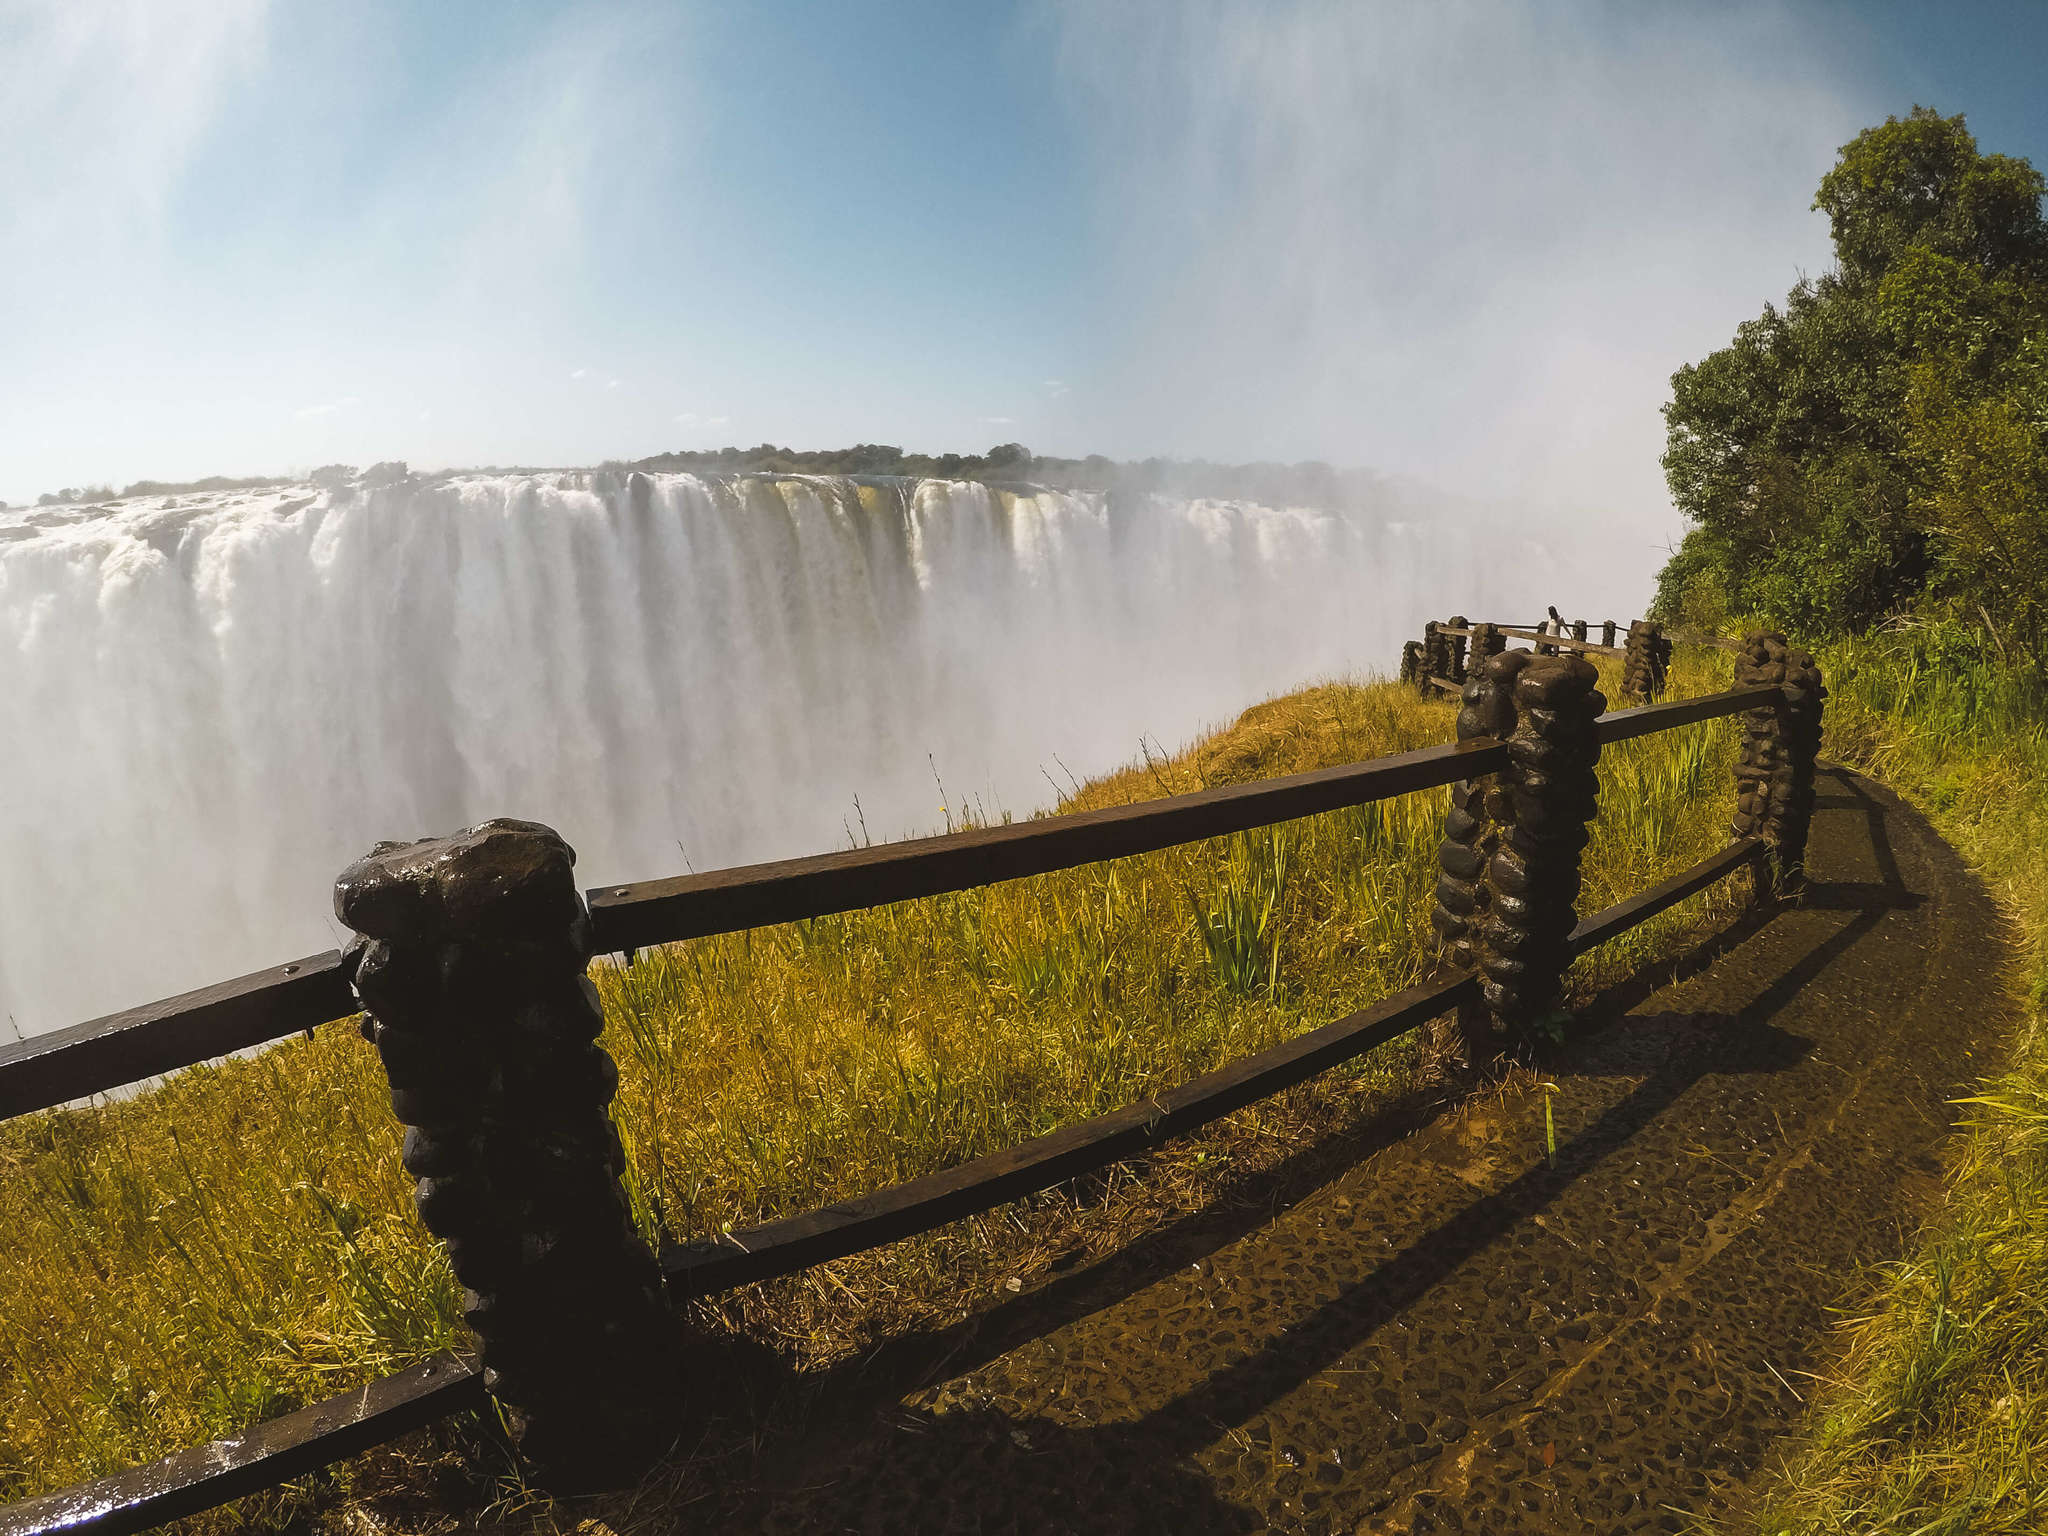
1463,242
221,699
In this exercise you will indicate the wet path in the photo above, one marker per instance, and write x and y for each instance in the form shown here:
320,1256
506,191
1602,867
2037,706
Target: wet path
1453,1335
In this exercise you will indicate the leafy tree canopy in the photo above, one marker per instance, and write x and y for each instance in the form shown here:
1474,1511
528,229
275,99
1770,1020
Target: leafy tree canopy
1879,444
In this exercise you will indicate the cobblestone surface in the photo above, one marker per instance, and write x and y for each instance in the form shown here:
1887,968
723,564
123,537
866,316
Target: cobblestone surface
1453,1335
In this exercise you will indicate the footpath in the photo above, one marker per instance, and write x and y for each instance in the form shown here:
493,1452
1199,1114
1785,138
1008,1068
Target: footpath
1444,1331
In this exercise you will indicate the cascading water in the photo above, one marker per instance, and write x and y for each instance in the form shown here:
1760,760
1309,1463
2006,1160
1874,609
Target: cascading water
214,702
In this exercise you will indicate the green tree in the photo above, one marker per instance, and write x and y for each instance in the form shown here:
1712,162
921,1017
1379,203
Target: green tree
1881,443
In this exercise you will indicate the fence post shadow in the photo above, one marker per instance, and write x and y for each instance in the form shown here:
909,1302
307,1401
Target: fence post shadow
794,1418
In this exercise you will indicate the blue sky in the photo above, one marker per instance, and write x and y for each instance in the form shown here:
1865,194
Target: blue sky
1462,242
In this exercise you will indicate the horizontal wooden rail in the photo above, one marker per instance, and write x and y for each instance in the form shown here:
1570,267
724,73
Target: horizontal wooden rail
1648,719
918,1205
1531,632
1563,642
206,1476
44,1071
903,1210
755,895
1644,905
102,1054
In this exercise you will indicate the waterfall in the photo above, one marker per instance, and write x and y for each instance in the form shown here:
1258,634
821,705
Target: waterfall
214,702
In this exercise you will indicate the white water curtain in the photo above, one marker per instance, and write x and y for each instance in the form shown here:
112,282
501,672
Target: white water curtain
213,703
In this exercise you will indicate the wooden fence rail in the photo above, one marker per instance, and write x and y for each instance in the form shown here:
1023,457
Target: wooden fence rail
1777,693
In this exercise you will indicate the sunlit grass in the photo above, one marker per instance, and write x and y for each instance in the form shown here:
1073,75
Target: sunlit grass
1936,1422
241,1240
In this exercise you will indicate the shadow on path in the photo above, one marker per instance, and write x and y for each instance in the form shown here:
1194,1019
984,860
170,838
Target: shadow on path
1428,1322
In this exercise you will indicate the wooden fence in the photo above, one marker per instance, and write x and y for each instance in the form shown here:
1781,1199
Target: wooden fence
470,968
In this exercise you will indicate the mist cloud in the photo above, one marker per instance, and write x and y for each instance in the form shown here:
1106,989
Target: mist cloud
1464,242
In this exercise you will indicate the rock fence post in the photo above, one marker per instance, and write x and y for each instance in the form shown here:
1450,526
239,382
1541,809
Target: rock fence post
470,963
1607,633
1457,649
1412,668
1509,862
1643,667
1780,741
1487,640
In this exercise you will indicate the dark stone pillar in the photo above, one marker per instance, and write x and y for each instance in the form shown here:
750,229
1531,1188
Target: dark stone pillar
470,965
1642,669
1411,664
1533,880
1506,898
1774,777
1607,633
1480,808
1435,656
1578,629
1458,649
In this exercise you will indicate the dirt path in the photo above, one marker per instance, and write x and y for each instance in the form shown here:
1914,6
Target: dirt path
1450,1334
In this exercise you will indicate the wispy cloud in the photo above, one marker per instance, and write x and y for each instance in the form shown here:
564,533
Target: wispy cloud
692,419
519,161
113,95
326,408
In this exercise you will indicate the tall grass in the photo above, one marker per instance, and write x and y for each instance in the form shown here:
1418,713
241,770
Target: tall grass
1936,1424
241,1240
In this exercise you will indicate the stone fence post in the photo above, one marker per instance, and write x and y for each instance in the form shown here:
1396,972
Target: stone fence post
1607,632
1774,776
1413,668
1648,654
470,963
1457,649
1487,640
1509,861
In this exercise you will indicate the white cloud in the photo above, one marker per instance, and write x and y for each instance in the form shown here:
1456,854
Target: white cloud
580,373
692,419
997,421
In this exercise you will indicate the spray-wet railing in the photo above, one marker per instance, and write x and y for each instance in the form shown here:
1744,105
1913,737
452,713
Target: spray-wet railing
470,964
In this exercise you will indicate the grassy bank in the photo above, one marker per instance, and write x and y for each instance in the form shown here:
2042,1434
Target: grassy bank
1936,1423
241,1240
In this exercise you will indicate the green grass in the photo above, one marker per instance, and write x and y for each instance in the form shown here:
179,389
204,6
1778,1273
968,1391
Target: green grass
241,1240
1935,1423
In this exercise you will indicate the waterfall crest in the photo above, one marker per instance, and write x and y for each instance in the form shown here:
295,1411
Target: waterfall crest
214,702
